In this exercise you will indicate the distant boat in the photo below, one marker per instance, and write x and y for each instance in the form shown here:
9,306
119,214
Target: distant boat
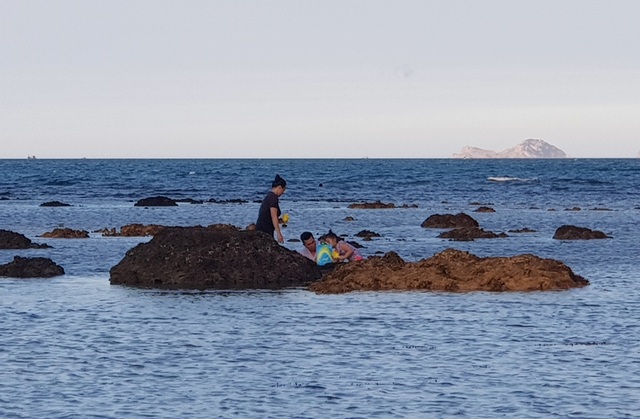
31,157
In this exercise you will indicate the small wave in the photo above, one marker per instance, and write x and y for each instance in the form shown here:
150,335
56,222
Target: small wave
507,179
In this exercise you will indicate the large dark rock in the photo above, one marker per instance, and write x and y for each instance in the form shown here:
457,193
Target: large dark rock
213,258
459,220
156,201
22,267
569,232
12,240
450,270
469,234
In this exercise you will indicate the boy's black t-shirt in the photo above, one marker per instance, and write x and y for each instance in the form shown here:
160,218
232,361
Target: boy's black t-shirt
264,215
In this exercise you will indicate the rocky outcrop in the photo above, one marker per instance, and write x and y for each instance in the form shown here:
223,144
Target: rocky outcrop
372,205
156,201
467,234
459,220
213,258
451,270
528,149
66,233
22,267
569,232
12,240
54,204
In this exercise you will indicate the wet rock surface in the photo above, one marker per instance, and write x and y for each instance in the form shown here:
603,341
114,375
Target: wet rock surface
451,270
570,232
37,267
459,220
13,240
213,258
156,201
54,204
66,233
372,205
470,234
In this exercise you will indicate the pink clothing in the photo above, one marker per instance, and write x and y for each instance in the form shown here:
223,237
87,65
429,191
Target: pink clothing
342,247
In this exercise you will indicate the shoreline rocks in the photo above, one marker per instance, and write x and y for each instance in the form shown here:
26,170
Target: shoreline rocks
451,270
213,258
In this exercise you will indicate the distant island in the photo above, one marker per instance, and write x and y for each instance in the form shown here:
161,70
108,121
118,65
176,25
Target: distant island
528,149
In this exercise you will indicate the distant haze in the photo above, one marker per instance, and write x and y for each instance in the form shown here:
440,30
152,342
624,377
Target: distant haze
324,78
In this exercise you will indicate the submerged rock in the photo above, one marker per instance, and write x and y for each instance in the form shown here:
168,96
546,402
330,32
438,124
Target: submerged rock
449,221
372,205
470,234
156,201
54,204
569,232
37,267
12,240
213,258
450,270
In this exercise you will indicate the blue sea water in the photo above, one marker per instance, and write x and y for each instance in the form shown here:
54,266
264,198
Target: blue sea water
76,347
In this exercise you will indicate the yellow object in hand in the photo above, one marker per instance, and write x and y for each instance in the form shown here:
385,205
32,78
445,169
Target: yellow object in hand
285,218
335,254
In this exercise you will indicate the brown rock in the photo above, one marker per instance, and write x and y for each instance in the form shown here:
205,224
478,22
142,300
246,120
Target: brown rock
372,205
450,270
349,218
12,240
469,234
66,233
569,232
215,258
22,267
449,221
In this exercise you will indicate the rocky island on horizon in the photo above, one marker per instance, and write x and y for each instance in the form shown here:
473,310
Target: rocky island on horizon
528,149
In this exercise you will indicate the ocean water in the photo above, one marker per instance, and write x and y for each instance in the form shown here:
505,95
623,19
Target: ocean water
76,347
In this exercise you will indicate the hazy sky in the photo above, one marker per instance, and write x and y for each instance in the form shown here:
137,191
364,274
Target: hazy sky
323,78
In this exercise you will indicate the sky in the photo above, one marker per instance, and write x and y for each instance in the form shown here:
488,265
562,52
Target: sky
317,79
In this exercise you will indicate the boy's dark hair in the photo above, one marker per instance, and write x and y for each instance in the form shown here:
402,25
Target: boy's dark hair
278,181
306,236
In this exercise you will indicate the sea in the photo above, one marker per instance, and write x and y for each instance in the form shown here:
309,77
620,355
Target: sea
75,346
